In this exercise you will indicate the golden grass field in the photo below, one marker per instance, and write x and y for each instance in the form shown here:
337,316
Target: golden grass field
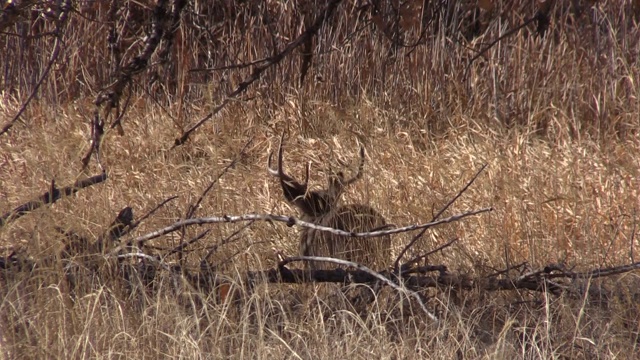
556,122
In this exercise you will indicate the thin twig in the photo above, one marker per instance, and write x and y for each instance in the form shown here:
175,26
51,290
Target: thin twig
592,274
506,270
193,208
149,213
632,238
420,257
183,245
144,257
230,67
97,132
225,241
230,258
419,235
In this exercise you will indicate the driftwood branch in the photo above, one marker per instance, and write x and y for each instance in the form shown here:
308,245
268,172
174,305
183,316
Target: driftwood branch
291,221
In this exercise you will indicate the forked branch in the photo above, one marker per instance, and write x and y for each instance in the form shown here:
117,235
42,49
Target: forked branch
291,221
396,264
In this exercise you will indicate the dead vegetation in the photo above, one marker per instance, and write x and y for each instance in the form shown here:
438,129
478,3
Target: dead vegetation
139,220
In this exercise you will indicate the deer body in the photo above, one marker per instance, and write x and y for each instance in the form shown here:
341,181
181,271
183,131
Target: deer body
352,218
322,208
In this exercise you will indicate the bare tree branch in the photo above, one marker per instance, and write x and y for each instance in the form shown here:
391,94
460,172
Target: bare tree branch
258,70
419,235
62,17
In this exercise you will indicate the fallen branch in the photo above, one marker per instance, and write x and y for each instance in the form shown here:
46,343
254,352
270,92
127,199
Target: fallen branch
549,279
366,270
51,196
294,221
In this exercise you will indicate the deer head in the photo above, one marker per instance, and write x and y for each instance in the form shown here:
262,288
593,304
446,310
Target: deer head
312,204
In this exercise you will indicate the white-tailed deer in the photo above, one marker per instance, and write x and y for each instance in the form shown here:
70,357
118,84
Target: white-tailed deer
322,208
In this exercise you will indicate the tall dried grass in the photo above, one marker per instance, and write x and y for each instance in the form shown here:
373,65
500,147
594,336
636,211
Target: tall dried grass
556,119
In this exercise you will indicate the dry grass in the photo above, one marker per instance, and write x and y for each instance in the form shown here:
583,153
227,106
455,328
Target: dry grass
556,120
572,202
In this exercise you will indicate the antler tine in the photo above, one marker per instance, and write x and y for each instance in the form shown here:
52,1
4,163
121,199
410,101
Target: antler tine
279,171
269,169
306,179
358,175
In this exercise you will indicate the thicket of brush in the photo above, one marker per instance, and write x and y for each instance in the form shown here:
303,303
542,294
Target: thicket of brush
187,99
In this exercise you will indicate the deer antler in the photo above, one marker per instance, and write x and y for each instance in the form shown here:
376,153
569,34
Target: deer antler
287,181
